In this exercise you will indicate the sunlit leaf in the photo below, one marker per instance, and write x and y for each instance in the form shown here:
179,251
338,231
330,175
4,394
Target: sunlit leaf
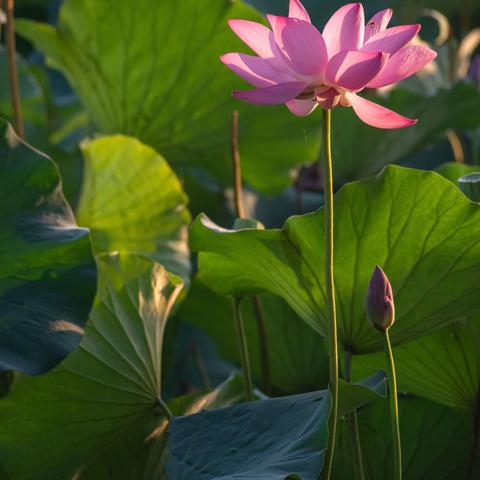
418,226
151,69
132,201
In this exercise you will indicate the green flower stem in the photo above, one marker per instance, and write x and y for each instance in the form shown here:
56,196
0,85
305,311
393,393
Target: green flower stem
352,420
330,292
242,339
392,383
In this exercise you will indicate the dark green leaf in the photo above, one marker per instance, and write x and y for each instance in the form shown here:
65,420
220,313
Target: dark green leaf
266,440
355,395
104,392
48,273
360,150
436,442
297,358
147,461
271,439
443,366
453,170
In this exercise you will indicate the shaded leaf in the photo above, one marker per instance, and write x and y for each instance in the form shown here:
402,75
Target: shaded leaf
276,438
297,358
132,201
436,442
147,462
355,395
443,366
453,170
44,257
419,227
266,440
33,106
106,391
361,150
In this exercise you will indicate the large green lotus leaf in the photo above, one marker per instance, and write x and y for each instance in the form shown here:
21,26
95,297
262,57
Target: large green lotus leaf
47,273
360,150
267,440
436,442
418,226
297,358
132,201
443,366
104,391
147,462
151,69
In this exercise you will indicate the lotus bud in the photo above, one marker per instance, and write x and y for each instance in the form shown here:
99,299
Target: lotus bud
380,306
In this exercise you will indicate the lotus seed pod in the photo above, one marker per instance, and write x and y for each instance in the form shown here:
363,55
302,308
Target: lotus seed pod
380,306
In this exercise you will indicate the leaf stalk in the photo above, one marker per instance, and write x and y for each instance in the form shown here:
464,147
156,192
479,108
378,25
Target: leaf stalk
12,71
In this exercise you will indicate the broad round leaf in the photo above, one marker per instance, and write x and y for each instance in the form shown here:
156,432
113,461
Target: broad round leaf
47,273
418,226
151,69
132,201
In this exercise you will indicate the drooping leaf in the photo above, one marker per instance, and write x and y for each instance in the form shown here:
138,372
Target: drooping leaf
436,442
297,358
151,69
443,366
276,438
418,226
47,270
104,393
132,201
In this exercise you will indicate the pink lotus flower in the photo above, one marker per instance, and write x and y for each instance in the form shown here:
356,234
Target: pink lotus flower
301,67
